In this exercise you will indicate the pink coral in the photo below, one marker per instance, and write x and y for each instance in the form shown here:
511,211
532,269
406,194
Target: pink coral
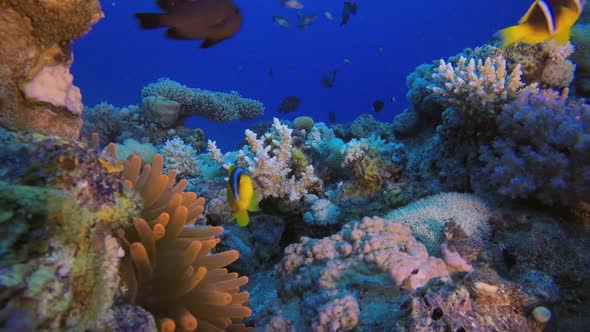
325,271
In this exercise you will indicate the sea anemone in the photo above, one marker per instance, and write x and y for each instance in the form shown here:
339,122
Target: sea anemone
168,268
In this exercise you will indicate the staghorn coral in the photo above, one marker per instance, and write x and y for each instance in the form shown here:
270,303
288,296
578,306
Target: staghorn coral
169,268
215,106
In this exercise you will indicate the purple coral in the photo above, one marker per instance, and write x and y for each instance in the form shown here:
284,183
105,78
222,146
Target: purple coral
543,149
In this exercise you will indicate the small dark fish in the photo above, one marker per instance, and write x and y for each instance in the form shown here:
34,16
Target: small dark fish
271,72
281,21
332,116
378,105
328,79
210,20
289,104
306,20
349,8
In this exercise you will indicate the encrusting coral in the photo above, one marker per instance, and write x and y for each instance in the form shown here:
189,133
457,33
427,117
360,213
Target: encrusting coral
169,268
58,259
372,162
318,280
35,55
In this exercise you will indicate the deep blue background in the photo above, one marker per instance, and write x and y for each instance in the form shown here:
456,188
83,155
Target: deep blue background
116,59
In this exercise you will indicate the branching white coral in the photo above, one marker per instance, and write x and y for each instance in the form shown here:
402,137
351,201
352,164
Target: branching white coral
179,156
354,150
268,160
216,154
478,85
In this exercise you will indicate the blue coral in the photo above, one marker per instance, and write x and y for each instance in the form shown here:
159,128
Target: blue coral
542,151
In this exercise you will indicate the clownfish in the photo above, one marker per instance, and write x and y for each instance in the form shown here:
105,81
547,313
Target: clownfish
544,21
241,195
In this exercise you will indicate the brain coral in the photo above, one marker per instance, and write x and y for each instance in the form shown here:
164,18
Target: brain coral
427,217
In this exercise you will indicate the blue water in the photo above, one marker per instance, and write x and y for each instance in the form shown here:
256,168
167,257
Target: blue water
117,59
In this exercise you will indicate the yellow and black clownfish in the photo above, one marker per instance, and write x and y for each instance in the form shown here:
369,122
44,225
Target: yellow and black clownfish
241,195
544,21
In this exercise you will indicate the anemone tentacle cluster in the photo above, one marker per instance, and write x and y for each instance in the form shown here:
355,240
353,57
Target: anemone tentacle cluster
169,268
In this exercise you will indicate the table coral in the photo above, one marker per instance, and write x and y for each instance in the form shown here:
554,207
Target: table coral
215,106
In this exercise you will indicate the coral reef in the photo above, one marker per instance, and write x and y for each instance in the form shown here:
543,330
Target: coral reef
215,106
372,162
320,211
474,89
468,305
546,63
581,38
318,278
162,111
180,157
303,123
140,124
59,261
543,149
145,151
36,90
268,160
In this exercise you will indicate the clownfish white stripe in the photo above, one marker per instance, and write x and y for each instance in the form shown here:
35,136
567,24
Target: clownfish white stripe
548,15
